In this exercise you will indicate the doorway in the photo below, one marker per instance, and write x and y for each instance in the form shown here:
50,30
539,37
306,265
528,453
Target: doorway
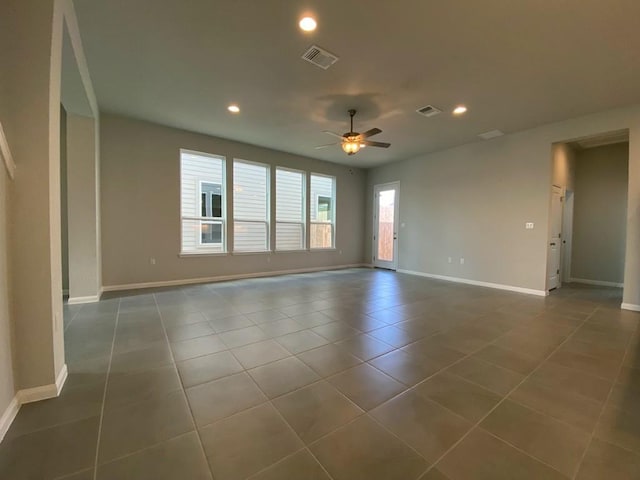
385,220
555,232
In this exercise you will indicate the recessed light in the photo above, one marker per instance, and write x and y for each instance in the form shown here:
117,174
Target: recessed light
459,110
233,108
308,24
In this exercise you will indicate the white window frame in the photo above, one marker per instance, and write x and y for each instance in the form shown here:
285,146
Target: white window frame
302,223
204,249
266,222
331,222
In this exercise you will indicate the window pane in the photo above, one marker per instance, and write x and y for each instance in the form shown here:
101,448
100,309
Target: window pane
211,233
289,236
323,204
321,235
250,206
289,196
202,195
250,236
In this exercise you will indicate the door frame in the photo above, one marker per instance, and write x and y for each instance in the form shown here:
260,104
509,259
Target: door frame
561,190
396,222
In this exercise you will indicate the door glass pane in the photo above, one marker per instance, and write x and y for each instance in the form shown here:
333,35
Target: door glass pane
386,210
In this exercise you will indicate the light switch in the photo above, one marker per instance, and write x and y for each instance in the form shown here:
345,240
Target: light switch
528,225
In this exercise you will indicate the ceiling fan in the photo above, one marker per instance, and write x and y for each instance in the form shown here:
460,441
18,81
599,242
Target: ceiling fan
352,142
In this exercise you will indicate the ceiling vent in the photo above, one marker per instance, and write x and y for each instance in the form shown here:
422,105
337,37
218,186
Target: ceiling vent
319,57
491,134
429,111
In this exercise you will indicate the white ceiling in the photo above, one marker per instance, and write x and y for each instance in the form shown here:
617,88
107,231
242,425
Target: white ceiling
515,64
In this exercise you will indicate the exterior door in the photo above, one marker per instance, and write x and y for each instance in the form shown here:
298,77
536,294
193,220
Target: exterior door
555,232
385,220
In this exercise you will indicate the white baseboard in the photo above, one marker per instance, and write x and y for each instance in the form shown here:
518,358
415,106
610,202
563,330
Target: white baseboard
630,306
80,300
499,286
29,395
598,283
43,392
222,278
8,416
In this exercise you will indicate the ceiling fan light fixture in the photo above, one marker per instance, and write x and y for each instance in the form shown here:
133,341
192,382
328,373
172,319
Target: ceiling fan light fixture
351,146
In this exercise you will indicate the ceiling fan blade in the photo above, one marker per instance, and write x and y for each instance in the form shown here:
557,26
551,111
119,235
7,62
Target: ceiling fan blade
325,146
371,133
332,134
369,143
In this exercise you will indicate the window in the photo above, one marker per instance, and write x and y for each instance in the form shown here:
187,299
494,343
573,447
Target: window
290,209
202,202
250,206
323,215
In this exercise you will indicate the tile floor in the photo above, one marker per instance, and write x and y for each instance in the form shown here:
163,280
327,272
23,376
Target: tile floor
347,375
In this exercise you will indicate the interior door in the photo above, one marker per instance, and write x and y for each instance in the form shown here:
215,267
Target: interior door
385,220
555,232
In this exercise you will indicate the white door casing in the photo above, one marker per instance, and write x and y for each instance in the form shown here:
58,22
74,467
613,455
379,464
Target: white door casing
385,225
554,244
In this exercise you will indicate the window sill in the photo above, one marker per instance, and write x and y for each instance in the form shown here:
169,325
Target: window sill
261,252
292,251
332,249
202,254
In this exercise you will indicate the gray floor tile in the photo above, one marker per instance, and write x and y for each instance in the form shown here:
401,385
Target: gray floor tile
620,427
283,376
328,360
298,342
136,387
50,453
366,386
243,336
232,457
260,353
464,398
408,369
141,425
316,410
196,347
154,356
538,435
186,332
487,375
218,399
468,461
364,347
509,359
606,461
300,465
336,331
181,457
426,426
207,368
363,450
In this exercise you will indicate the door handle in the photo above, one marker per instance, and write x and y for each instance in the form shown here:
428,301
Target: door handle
395,237
553,244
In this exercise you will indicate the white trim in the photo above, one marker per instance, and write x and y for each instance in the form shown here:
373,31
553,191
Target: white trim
222,278
43,392
599,283
8,416
5,152
499,286
87,299
630,306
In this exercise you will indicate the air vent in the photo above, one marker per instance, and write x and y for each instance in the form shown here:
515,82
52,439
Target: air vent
319,57
429,111
491,134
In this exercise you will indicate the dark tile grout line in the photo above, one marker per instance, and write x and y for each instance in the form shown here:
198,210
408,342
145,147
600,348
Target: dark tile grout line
477,424
104,395
605,404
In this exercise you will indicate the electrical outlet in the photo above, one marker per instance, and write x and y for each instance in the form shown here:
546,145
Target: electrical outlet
528,225
461,260
339,252
152,261
448,259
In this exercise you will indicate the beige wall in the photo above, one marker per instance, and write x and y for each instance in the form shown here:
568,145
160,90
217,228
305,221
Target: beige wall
473,201
140,184
82,163
563,166
64,217
7,387
600,213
